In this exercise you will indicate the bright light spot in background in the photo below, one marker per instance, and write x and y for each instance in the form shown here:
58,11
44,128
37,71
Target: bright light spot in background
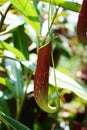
1,93
77,1
73,17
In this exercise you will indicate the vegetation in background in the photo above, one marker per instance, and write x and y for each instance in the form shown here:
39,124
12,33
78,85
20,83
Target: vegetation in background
27,27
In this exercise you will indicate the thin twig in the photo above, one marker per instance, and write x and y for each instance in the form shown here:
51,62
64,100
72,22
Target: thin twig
51,25
4,15
52,21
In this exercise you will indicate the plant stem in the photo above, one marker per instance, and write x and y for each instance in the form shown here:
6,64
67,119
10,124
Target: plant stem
58,97
47,35
4,15
24,96
52,22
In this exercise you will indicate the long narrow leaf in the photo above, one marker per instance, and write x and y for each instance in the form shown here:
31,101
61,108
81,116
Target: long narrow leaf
28,11
66,82
66,4
2,2
4,106
13,123
14,71
5,82
19,83
63,81
20,41
6,46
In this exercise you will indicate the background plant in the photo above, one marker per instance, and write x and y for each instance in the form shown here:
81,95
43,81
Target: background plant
23,26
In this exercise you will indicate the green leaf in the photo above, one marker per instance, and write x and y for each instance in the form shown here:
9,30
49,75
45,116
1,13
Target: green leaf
19,83
66,4
13,25
8,83
5,82
66,82
13,123
4,106
14,71
6,46
21,41
63,81
2,1
29,13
